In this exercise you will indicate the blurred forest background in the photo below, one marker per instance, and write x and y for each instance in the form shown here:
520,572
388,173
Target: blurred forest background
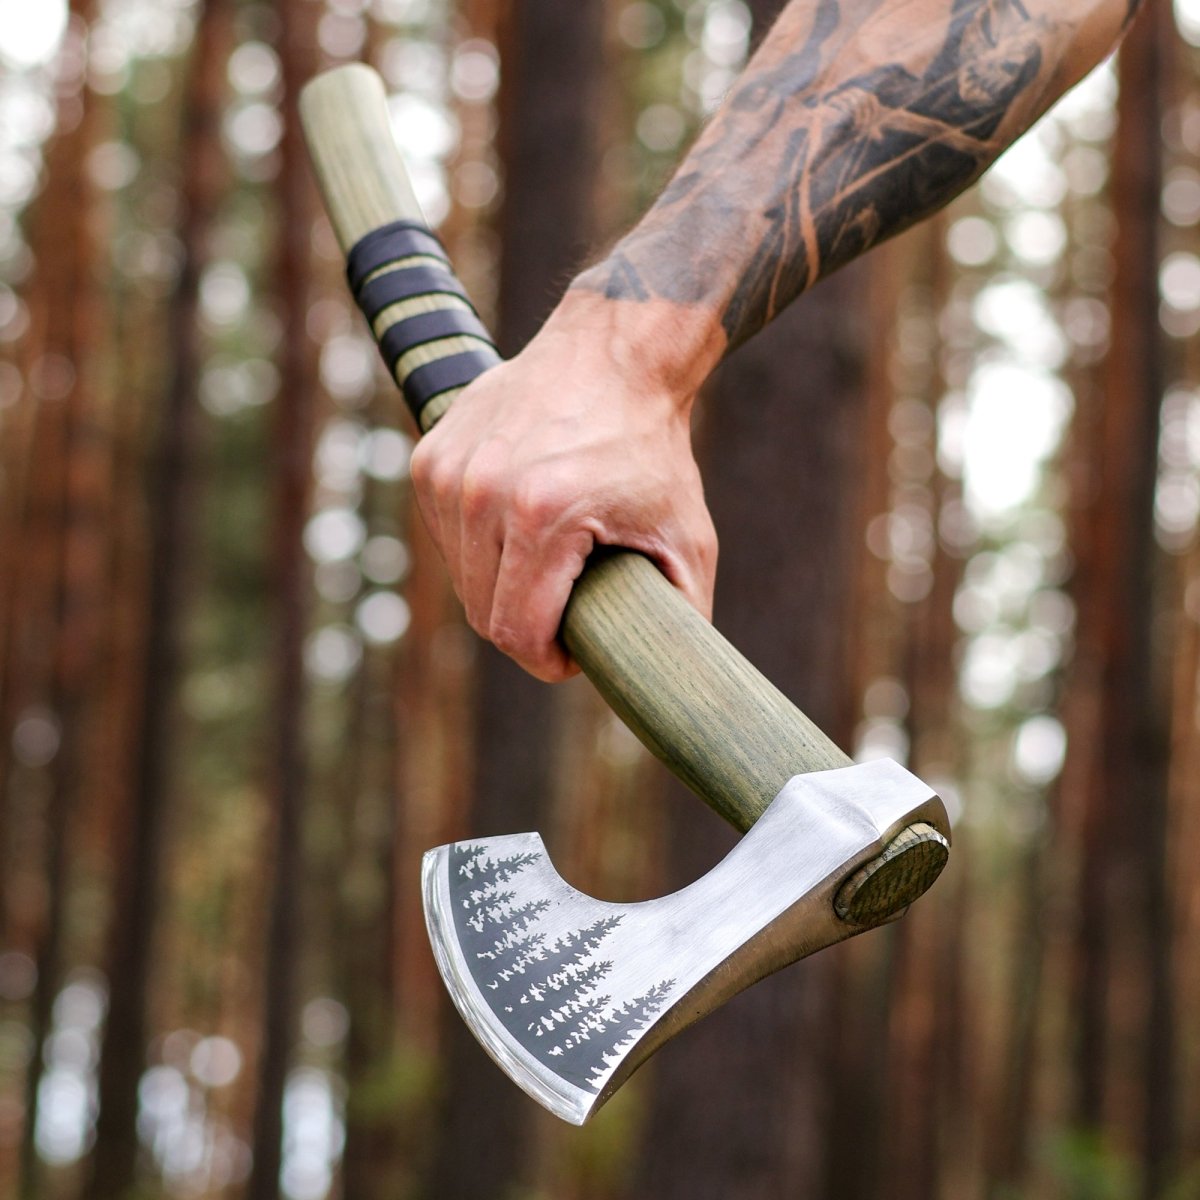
237,699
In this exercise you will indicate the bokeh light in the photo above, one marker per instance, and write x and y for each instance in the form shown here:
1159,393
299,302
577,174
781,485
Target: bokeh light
30,33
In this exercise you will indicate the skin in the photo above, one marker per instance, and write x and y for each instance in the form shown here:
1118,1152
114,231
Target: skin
854,120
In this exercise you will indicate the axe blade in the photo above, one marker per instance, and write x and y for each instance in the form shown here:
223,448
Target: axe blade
570,994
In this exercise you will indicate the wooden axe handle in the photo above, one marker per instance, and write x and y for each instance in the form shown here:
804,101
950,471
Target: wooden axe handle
722,727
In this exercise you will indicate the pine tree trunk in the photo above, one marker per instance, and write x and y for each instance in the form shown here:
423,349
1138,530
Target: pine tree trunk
552,62
170,503
1139,736
378,1140
292,445
739,1104
1123,930
54,622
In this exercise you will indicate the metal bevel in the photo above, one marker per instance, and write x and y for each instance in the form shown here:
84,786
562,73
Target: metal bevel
570,994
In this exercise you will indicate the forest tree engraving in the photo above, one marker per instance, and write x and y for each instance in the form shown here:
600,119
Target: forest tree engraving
548,994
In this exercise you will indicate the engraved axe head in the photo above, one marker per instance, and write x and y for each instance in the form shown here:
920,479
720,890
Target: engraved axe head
570,994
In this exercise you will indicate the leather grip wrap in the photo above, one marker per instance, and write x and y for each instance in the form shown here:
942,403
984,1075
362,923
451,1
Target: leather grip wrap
430,336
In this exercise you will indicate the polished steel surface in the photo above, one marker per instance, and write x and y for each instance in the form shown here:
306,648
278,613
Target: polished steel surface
570,994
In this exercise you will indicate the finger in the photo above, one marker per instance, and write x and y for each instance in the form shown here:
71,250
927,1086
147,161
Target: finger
479,564
694,567
421,474
533,585
449,541
684,547
481,501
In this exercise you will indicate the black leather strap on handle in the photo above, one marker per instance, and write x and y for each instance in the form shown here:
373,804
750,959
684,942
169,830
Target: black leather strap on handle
429,327
389,244
405,282
430,336
424,384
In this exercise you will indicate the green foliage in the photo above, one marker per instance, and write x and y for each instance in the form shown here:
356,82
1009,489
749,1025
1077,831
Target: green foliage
1087,1167
1186,1186
395,1088
604,1152
1084,1165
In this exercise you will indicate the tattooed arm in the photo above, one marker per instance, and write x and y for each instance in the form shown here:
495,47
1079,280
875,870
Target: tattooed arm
854,120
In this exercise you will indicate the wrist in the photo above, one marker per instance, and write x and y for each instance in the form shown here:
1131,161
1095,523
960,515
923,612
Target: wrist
658,346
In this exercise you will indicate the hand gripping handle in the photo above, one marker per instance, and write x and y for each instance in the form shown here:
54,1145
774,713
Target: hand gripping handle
715,721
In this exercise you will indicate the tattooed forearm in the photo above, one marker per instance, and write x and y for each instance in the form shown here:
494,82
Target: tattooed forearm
856,119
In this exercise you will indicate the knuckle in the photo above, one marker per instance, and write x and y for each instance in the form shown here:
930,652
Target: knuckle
538,501
431,474
420,464
473,499
481,485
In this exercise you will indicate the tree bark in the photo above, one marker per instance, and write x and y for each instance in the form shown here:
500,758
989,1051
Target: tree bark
739,1102
291,471
1138,766
53,637
170,503
1124,930
552,63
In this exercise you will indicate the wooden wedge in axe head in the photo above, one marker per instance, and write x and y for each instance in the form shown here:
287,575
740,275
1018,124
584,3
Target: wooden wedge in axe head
567,993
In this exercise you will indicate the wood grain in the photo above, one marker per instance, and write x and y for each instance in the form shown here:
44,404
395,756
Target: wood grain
694,701
885,886
697,703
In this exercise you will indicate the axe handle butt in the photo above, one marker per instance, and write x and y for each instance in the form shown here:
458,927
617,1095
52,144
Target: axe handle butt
701,707
884,887
349,135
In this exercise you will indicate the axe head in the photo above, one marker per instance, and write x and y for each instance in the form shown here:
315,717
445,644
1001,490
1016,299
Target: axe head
570,994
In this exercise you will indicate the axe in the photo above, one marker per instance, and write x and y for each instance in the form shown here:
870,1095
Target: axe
570,994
